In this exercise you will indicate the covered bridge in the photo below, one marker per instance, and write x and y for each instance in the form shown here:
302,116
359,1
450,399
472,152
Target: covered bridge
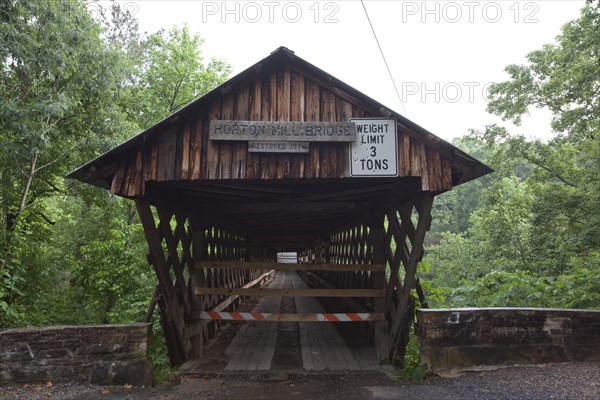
283,157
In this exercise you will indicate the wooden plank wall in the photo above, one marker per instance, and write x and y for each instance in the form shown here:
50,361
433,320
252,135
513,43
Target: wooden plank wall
184,152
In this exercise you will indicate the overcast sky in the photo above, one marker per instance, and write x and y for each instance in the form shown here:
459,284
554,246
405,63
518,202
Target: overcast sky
442,54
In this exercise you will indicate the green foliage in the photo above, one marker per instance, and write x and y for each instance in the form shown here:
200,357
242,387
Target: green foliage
172,73
413,369
57,81
72,88
157,353
533,231
452,210
561,77
113,274
579,287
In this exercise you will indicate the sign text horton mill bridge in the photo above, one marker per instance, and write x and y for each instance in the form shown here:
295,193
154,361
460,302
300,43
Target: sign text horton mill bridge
284,158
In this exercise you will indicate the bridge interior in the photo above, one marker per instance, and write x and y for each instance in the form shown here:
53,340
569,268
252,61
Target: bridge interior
360,261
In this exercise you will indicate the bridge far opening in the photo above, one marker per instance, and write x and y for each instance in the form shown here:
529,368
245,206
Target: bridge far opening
287,257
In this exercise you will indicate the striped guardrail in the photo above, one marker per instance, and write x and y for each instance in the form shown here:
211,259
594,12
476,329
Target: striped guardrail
316,317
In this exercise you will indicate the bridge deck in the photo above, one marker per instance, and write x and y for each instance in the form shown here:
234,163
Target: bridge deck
277,346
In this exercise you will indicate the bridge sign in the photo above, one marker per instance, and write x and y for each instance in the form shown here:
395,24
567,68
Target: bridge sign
375,150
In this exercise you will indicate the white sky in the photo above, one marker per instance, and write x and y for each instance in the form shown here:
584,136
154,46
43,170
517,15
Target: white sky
441,53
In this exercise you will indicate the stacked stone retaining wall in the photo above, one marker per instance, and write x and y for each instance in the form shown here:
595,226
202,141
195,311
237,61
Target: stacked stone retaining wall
103,354
454,340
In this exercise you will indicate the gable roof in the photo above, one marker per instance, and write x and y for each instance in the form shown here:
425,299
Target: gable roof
283,56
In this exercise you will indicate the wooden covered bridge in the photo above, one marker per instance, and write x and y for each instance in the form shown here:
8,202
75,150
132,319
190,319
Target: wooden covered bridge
284,158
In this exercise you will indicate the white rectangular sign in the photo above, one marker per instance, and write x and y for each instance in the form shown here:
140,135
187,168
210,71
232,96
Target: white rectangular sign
375,151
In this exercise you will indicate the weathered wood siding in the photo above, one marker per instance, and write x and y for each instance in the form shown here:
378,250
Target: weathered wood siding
184,152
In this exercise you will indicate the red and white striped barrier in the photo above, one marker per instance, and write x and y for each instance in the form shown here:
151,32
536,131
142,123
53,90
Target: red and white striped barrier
319,317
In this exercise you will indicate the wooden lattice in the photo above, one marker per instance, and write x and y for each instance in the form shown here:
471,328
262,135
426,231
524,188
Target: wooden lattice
404,250
169,246
394,238
350,246
175,250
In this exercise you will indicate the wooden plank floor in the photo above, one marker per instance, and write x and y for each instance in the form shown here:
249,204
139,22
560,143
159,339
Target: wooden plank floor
253,346
322,347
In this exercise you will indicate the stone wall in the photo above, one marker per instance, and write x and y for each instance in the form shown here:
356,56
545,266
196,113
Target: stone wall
102,354
455,340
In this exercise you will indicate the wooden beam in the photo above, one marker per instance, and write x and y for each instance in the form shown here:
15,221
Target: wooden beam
197,278
194,329
398,230
259,205
291,267
417,249
155,248
152,304
381,328
164,278
173,256
352,304
225,303
292,292
228,301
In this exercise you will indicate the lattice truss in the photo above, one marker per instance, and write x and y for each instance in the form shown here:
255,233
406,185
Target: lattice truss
395,239
175,248
350,246
405,233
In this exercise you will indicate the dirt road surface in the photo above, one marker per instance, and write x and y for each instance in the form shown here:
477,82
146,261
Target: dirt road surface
573,381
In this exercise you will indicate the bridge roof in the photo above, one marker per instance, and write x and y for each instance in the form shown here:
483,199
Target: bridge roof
277,197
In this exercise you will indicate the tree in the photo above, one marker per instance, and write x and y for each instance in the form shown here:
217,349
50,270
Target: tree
57,85
172,74
536,228
564,78
452,210
72,88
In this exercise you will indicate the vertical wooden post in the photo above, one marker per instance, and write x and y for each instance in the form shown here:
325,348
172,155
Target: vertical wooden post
197,279
381,333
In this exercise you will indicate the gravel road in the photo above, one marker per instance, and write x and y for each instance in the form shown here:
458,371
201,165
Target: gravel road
573,381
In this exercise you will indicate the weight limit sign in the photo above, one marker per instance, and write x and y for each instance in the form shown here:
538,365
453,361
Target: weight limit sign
375,151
